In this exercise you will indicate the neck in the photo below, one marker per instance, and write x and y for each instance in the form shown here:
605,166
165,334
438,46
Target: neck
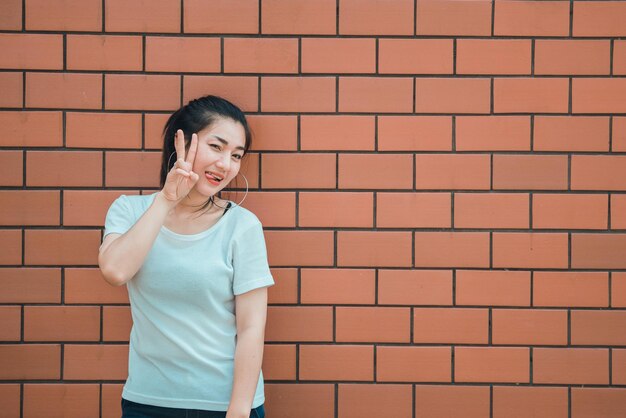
194,201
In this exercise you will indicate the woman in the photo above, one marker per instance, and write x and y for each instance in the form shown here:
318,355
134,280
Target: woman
197,275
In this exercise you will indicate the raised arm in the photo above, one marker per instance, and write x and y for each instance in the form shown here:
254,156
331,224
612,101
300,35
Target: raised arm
121,255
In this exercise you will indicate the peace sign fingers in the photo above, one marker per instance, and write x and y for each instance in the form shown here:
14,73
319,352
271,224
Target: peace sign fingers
181,178
191,156
179,144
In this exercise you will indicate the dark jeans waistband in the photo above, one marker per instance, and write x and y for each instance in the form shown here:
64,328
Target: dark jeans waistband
132,409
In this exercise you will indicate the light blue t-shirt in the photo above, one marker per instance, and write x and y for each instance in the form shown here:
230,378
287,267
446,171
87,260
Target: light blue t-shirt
182,344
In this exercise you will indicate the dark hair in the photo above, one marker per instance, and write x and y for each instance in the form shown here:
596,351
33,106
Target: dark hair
195,116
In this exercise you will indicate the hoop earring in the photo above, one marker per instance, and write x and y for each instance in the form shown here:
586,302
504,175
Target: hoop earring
169,160
236,204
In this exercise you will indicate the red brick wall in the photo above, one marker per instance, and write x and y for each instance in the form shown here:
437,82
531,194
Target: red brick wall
442,185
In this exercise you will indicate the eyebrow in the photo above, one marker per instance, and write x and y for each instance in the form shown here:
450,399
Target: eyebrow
225,142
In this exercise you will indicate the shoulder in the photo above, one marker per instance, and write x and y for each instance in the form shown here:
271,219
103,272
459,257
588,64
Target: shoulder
139,202
243,220
134,204
244,216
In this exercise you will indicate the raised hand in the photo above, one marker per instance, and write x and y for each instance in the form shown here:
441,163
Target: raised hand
181,179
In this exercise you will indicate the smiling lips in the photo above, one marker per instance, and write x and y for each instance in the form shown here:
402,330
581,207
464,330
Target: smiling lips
212,178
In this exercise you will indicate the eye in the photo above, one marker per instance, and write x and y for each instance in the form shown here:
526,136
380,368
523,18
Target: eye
215,146
237,156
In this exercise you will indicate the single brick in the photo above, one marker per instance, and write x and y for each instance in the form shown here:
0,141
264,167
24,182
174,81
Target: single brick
299,323
64,168
103,130
570,211
64,90
564,57
536,172
141,16
272,208
375,94
221,16
598,172
571,366
336,209
491,210
11,19
413,210
183,55
572,133
240,90
337,132
373,249
260,55
493,133
492,364
598,95
530,250
375,171
452,95
306,17
274,132
413,364
530,95
12,87
61,247
142,92
299,171
599,18
68,400
29,207
452,171
372,17
64,15
445,401
589,402
492,288
451,17
522,402
451,249
414,133
338,286
338,55
62,323
104,52
531,18
529,327
298,94
132,169
32,129
30,285
415,287
31,51
336,362
91,362
598,250
300,248
493,56
570,288
415,56
30,361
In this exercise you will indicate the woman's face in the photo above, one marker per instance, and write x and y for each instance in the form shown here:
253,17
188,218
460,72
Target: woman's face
218,158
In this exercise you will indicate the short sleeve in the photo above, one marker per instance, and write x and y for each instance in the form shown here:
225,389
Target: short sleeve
120,217
251,269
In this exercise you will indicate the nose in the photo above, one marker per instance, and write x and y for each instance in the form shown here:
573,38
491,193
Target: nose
224,161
